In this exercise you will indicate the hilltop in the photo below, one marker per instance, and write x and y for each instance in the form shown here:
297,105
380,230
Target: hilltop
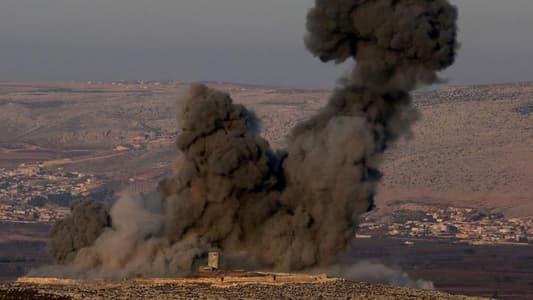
204,288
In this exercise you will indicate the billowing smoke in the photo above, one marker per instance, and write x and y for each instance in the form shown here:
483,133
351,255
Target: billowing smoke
87,221
293,209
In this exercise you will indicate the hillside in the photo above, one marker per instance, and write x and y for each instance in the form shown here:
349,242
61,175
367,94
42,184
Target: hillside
471,147
204,289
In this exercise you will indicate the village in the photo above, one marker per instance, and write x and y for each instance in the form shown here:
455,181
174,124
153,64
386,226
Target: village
31,193
453,223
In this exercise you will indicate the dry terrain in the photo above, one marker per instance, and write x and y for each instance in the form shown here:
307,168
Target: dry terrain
213,289
471,147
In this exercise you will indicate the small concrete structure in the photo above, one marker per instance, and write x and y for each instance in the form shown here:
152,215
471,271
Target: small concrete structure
213,260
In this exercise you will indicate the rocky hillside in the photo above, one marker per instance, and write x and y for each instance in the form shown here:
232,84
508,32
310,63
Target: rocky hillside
338,289
471,146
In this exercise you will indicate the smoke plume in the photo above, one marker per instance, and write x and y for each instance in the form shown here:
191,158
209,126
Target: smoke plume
284,210
87,221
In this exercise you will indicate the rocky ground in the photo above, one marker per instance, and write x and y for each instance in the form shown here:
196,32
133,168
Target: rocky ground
339,289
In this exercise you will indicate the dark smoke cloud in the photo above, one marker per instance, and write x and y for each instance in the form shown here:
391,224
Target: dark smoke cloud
397,43
289,210
87,221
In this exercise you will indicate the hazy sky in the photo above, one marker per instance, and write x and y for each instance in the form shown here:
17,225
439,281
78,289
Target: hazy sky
247,41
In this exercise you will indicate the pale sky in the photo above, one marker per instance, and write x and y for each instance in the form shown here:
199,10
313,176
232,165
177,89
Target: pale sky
246,41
